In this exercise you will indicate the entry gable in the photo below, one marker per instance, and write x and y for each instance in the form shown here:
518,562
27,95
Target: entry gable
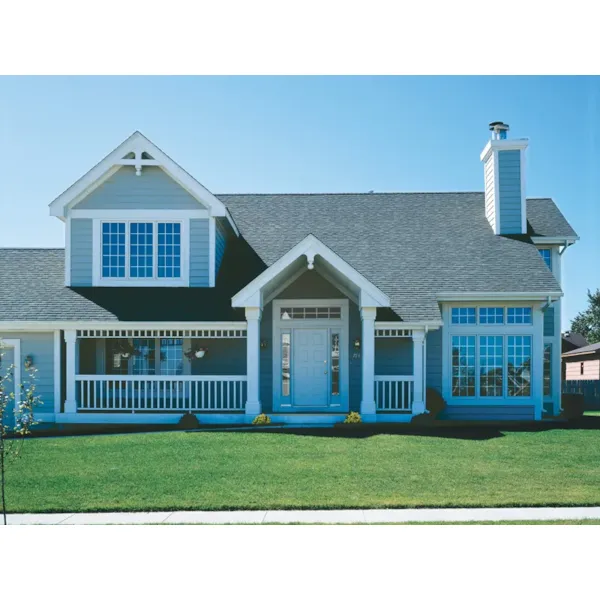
310,254
137,153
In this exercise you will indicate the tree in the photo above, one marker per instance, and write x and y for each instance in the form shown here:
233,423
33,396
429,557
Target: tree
13,429
587,322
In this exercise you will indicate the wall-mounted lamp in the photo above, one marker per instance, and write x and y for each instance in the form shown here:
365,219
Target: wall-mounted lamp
28,361
357,344
264,344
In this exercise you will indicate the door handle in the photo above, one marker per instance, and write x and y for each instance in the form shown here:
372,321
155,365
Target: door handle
325,372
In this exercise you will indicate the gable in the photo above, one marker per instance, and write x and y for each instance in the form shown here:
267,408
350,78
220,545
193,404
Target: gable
152,190
140,154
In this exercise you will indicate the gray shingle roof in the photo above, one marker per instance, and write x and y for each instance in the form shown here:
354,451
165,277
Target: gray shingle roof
32,289
411,245
546,220
584,350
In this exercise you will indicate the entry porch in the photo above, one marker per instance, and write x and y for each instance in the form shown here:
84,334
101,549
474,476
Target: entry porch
319,371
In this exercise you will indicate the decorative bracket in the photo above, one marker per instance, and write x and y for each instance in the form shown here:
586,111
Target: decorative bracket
310,257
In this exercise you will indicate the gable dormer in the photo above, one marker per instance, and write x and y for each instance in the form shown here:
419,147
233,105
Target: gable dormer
504,178
138,219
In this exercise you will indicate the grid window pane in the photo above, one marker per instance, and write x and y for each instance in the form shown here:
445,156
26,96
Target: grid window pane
546,254
518,316
519,365
113,249
463,365
547,369
141,249
320,312
169,250
463,316
171,356
285,363
491,316
143,357
491,361
335,364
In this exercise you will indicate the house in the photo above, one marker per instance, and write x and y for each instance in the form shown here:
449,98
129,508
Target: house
170,299
572,341
582,364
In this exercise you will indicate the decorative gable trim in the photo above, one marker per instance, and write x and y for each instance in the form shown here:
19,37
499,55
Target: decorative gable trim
137,151
310,246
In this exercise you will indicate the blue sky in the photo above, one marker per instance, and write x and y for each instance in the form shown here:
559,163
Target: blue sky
307,134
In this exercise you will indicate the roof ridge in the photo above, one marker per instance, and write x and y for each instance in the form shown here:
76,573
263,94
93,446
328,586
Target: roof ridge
340,193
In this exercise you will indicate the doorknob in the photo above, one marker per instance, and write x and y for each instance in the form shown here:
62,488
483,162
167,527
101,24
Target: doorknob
325,372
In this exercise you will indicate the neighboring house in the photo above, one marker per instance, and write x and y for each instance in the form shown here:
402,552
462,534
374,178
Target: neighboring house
571,341
169,299
582,364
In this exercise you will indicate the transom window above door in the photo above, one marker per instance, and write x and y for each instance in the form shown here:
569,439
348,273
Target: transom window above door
136,250
310,312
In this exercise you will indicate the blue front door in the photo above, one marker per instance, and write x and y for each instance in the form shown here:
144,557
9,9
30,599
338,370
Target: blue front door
310,368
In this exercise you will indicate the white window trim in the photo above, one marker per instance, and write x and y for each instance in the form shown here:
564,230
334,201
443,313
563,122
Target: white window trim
127,281
285,403
530,329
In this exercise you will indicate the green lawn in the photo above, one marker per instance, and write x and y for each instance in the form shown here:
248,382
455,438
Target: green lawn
252,470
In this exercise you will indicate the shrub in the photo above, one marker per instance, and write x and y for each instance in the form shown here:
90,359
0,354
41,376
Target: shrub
353,417
572,406
261,419
188,421
434,403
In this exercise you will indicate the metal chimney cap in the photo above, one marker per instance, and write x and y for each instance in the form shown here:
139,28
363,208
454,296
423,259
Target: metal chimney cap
499,126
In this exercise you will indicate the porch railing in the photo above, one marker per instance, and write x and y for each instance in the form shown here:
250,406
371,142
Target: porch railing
394,392
132,393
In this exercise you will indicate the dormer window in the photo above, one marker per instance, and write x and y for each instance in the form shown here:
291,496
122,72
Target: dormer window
141,250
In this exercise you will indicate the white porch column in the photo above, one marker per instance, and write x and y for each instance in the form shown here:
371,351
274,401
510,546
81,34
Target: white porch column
368,409
537,362
71,364
418,406
253,406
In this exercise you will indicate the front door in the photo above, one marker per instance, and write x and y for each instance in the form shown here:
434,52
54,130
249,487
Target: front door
310,368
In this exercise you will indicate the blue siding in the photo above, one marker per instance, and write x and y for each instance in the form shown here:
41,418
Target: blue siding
488,413
224,357
40,346
310,285
153,190
355,375
434,360
393,356
81,252
266,359
509,175
199,253
220,243
549,321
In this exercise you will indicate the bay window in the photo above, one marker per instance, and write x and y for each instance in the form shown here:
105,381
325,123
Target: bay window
491,366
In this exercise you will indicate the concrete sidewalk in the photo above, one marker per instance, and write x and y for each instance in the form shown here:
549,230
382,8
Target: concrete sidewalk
404,515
